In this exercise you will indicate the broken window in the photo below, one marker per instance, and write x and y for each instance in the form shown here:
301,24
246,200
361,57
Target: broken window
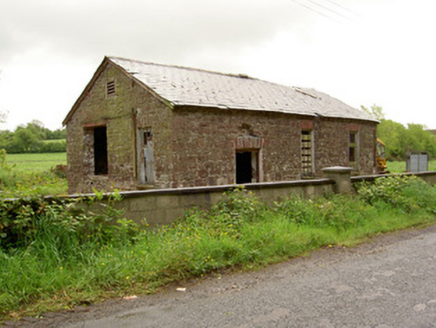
247,166
306,153
100,151
353,149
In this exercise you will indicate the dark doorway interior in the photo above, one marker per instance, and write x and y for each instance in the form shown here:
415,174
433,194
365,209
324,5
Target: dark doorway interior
244,172
100,151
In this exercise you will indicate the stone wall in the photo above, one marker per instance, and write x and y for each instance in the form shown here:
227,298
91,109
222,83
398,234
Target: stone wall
204,144
130,108
331,144
196,146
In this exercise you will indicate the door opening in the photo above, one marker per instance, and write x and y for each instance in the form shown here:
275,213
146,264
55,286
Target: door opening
246,167
100,151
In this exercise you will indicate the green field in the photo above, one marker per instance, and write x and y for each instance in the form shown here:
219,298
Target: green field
44,162
400,166
36,162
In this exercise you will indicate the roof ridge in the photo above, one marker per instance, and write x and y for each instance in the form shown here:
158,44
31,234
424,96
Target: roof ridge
239,75
210,88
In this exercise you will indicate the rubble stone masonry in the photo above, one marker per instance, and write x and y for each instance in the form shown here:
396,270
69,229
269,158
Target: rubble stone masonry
196,146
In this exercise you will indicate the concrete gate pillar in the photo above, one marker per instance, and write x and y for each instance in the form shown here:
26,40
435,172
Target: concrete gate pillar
342,177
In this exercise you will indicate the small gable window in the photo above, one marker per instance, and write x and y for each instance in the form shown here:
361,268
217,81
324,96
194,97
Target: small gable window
110,88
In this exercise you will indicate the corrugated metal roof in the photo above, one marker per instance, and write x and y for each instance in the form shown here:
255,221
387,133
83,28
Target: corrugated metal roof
195,87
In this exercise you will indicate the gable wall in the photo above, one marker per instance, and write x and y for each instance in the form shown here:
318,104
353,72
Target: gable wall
118,114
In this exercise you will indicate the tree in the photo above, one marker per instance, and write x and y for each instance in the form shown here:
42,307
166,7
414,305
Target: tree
375,111
25,141
36,127
420,140
400,140
393,134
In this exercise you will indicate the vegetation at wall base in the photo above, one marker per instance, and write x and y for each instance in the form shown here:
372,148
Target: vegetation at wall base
55,255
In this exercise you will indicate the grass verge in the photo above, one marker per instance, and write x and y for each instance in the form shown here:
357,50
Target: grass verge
71,259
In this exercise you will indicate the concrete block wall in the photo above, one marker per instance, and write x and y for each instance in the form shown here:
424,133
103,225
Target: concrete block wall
166,205
163,206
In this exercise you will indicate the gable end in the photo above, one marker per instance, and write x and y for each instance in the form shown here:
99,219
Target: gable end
110,88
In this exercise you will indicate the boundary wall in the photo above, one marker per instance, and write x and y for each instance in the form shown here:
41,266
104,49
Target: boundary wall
162,206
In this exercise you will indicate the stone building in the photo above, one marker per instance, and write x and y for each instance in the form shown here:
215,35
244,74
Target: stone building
140,125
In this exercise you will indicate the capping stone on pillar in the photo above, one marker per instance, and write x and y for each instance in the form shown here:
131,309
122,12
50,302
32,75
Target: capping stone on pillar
342,177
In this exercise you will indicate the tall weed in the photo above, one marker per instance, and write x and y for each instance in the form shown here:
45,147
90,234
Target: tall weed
69,254
404,193
24,221
335,211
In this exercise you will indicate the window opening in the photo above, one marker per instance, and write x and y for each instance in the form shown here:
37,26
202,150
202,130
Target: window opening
353,152
110,88
147,137
100,151
146,156
306,153
246,167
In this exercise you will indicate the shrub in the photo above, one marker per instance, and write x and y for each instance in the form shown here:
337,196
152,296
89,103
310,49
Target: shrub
405,193
24,220
238,206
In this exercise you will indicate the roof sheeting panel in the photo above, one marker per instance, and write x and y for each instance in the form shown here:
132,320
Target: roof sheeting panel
194,87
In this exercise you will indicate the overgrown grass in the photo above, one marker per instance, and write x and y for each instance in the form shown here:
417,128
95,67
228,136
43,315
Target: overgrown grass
61,265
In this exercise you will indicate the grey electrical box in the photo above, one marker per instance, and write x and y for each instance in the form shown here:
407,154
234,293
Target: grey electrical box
417,162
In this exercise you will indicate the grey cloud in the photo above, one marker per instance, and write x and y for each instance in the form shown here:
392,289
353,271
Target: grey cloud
165,28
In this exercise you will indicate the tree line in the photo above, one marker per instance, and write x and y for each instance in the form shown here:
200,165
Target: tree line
33,138
399,139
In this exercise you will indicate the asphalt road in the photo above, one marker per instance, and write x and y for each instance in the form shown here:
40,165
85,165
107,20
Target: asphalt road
390,282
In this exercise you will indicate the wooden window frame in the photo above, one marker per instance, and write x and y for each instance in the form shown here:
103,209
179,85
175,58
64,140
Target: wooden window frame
353,149
307,153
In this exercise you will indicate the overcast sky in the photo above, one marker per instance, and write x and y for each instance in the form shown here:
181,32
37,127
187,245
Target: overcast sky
362,52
